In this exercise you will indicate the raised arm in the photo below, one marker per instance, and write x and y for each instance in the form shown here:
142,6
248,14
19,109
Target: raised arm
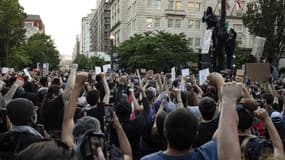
216,80
196,86
274,136
178,98
69,110
106,98
123,139
10,94
137,107
227,136
70,83
158,82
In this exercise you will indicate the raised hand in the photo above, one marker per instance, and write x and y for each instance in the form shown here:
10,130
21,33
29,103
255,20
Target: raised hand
231,91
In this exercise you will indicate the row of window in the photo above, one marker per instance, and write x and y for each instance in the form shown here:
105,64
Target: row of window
174,5
172,23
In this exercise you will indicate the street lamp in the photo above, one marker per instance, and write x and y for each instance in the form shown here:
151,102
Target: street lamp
112,37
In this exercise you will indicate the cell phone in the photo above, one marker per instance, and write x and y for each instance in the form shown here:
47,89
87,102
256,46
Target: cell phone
108,117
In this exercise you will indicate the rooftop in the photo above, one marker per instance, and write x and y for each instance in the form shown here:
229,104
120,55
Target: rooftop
33,17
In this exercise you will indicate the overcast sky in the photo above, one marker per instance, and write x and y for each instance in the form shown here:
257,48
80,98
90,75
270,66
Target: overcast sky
62,19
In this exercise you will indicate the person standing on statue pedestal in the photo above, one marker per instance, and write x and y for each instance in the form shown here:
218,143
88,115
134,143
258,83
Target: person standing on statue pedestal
230,47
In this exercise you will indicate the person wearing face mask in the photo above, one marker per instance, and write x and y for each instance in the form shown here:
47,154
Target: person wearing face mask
22,115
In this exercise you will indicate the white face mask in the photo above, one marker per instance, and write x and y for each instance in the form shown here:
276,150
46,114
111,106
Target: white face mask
49,83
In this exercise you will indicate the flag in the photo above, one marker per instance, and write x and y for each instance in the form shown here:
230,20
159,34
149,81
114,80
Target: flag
239,3
228,7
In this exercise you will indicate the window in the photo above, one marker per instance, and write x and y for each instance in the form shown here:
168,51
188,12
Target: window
178,5
149,22
190,42
197,24
155,4
190,24
170,4
191,6
197,43
194,6
156,22
197,6
238,27
177,23
170,23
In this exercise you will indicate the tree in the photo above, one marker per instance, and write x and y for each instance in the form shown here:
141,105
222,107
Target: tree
12,32
266,18
39,48
85,63
155,50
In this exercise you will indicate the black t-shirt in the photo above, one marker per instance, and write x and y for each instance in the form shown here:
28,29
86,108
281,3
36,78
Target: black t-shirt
98,113
205,132
133,130
53,111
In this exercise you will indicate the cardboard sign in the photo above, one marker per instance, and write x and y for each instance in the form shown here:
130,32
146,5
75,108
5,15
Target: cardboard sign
203,74
98,70
185,72
258,72
173,74
207,41
5,70
258,47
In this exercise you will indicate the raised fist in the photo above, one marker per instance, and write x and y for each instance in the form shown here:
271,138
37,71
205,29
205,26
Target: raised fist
231,91
81,79
216,79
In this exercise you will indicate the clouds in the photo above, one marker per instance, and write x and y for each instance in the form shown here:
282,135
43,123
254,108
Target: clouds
62,19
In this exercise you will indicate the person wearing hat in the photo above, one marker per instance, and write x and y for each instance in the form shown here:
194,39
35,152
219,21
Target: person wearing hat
22,114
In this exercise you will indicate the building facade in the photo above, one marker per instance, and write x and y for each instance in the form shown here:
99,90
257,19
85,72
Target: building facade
100,27
129,17
76,48
33,25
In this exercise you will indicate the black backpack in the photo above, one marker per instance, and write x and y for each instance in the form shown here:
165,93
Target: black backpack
12,142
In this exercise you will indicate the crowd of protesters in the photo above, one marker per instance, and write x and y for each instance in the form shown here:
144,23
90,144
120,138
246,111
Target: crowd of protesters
80,115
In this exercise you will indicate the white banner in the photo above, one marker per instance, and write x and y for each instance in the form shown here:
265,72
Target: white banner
173,74
106,67
203,74
98,70
185,72
207,41
258,47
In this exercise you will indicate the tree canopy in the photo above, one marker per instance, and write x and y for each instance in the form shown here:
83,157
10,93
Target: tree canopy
38,48
155,50
12,32
266,18
85,63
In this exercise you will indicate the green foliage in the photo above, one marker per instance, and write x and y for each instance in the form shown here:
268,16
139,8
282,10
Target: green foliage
12,31
266,18
85,63
159,51
38,48
244,56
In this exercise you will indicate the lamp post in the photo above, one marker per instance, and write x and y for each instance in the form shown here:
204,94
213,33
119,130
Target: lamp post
112,37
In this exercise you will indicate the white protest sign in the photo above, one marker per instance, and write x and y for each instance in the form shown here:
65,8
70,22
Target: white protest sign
173,74
185,72
27,73
98,70
5,70
203,74
106,67
207,41
258,47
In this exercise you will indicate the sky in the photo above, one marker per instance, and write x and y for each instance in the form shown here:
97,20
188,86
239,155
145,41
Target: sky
62,19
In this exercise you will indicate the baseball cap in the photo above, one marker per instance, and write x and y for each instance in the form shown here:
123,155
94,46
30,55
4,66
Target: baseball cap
20,111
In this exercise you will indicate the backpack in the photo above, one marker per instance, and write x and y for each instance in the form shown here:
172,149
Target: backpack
12,142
